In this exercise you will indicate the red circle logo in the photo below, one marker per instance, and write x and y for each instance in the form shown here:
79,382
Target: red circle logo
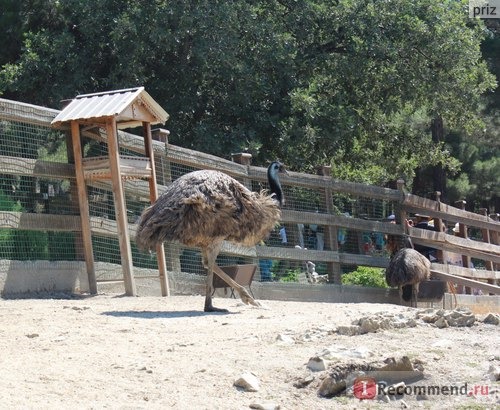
365,388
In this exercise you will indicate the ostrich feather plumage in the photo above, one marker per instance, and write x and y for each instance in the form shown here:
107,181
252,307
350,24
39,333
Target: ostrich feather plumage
204,208
407,269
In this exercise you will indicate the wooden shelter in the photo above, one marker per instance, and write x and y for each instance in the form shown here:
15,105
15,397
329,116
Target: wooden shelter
111,111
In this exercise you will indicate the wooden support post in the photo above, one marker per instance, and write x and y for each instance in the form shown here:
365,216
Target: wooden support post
245,158
120,208
331,232
74,198
84,207
163,170
495,238
486,239
153,196
402,216
438,224
466,260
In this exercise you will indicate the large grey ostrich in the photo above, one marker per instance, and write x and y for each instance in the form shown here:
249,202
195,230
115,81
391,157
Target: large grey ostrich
407,268
205,208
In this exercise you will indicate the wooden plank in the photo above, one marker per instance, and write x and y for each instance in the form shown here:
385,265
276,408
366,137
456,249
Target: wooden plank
470,273
201,160
84,207
416,204
357,224
39,222
133,188
440,240
120,209
485,287
28,113
35,167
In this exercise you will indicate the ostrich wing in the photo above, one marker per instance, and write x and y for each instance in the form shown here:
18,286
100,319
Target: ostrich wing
206,206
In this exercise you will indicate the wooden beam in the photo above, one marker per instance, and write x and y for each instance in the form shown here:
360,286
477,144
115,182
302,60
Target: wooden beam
470,273
35,167
84,207
416,204
440,240
120,209
153,189
486,287
40,222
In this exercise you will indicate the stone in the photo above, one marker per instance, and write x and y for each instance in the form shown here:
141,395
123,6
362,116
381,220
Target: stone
352,330
316,364
441,323
494,373
492,319
248,382
286,339
330,387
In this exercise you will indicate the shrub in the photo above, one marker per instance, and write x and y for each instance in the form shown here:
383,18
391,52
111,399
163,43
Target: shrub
366,276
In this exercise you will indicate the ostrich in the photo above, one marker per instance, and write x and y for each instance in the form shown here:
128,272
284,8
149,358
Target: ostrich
407,268
204,208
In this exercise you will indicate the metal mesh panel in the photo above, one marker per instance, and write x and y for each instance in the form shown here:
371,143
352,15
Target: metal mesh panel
27,193
40,210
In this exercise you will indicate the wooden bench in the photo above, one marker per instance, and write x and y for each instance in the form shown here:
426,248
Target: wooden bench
241,274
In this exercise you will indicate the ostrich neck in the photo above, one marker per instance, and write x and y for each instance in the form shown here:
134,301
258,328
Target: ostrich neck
275,186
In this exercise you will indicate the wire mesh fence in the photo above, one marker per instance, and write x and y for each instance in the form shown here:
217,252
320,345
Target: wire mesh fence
341,226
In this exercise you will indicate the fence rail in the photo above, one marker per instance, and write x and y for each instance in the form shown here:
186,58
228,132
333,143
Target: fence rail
337,209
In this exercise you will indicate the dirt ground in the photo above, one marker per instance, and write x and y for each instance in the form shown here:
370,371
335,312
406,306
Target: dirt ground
114,352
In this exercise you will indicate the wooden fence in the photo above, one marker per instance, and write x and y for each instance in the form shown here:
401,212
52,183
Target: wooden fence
329,217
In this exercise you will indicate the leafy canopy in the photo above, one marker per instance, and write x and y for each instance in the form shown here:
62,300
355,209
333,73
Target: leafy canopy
351,83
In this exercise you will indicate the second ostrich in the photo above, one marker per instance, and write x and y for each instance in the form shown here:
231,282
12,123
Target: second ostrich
205,208
407,268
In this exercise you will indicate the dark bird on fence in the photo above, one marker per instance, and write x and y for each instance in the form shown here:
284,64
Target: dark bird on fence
205,208
407,268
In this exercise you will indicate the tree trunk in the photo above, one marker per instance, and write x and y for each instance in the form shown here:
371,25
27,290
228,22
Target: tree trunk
438,172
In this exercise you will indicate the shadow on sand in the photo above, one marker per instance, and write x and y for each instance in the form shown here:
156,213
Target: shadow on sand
151,314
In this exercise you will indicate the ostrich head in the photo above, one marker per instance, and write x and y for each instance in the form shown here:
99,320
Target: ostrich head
274,183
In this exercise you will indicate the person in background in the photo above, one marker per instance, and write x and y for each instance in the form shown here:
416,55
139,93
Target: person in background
422,222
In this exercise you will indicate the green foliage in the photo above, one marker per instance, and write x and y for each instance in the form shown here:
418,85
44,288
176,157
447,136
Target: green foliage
292,275
365,276
18,244
349,83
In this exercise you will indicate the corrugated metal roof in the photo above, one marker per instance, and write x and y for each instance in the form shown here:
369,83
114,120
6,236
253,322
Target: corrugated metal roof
111,103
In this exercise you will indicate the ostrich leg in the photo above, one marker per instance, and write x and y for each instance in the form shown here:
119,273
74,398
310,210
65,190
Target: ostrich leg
209,256
244,295
415,294
400,288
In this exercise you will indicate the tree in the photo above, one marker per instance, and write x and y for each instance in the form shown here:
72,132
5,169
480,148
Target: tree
352,83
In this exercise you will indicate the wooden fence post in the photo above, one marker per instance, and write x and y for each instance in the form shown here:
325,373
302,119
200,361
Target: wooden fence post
163,171
245,158
485,233
172,250
466,260
495,238
438,223
153,196
402,215
331,232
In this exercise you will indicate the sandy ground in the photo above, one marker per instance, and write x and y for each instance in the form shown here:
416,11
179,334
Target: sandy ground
113,352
